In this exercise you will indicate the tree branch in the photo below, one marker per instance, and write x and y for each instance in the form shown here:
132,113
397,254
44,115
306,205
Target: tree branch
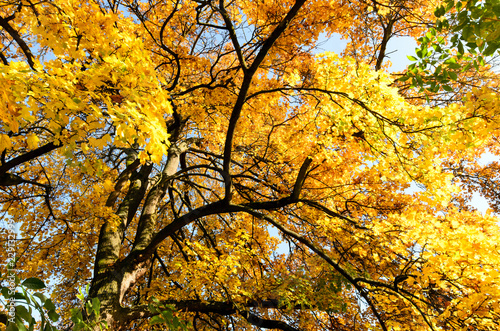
245,86
210,209
220,207
28,156
4,23
300,179
232,35
267,324
321,254
121,181
169,51
217,307
4,59
383,45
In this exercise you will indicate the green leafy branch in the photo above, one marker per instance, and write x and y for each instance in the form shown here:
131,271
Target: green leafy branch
165,316
465,34
92,308
26,304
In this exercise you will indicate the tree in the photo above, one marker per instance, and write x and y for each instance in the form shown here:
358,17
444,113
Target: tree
198,158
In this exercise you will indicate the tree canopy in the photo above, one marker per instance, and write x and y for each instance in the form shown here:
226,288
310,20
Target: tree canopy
204,164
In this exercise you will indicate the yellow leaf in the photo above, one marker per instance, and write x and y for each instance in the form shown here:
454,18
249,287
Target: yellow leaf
33,141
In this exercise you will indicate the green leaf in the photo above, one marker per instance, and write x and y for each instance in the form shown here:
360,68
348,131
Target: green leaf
404,78
21,297
23,313
88,307
439,11
12,327
104,325
40,296
33,284
5,291
81,295
167,315
411,58
439,25
490,50
438,70
76,315
54,317
419,80
467,33
447,88
496,10
450,5
156,320
20,324
152,308
96,305
460,47
49,305
79,326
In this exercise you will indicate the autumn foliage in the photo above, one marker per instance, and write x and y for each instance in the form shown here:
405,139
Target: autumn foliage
207,156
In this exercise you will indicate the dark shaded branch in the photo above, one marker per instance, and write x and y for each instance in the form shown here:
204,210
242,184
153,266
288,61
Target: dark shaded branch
383,45
4,59
28,156
169,51
121,181
165,270
217,307
4,23
9,179
280,28
300,179
267,324
221,308
247,80
218,207
232,34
